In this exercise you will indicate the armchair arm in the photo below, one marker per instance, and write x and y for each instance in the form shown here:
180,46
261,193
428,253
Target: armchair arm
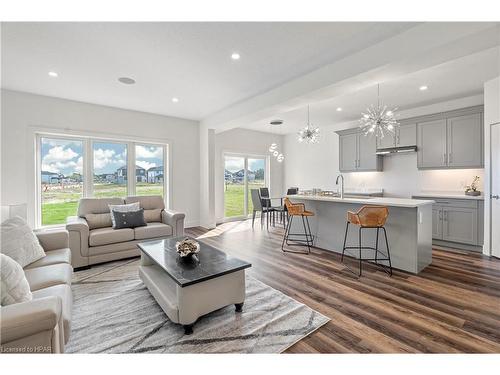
53,239
175,220
25,319
78,229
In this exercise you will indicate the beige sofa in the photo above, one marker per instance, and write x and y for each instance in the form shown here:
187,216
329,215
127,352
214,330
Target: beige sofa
93,240
42,325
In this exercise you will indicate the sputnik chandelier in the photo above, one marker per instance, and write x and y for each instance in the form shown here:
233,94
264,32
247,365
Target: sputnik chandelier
378,120
309,134
273,149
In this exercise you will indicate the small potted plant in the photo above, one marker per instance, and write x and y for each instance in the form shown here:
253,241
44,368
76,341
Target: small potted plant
472,188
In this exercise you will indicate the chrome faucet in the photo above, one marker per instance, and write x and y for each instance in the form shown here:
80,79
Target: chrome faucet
341,185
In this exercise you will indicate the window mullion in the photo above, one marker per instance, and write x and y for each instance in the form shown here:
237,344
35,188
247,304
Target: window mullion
131,180
88,168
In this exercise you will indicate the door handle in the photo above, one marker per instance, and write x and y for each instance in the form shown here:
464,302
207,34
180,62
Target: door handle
495,197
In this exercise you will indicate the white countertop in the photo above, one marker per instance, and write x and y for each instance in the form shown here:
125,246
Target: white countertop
448,194
393,202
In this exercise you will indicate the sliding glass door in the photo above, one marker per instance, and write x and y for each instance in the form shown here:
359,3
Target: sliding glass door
241,173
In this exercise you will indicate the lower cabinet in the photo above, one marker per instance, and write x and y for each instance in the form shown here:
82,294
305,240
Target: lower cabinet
460,225
457,222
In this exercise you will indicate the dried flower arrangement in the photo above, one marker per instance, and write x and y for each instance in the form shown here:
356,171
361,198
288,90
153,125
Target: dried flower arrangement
472,188
187,247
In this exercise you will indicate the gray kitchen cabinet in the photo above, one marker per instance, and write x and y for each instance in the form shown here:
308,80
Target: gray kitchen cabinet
437,223
348,158
405,135
460,225
431,144
464,140
451,140
367,147
457,223
388,141
357,152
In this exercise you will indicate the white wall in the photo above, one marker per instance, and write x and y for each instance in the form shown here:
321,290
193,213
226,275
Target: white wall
22,111
316,166
244,141
491,116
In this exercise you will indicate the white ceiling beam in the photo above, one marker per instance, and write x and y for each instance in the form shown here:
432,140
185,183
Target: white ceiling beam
418,48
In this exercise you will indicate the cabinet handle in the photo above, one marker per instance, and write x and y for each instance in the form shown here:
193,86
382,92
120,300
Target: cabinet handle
445,215
449,158
440,215
398,138
444,158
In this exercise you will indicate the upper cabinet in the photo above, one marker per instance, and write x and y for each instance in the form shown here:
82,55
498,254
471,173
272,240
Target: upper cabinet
455,140
405,135
357,152
431,144
464,141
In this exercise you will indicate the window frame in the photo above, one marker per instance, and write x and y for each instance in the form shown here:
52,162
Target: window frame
88,141
267,180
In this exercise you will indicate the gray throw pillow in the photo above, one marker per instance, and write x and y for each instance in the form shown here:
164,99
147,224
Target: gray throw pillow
122,208
131,219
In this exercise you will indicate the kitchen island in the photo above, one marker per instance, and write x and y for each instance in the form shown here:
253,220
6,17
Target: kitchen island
409,227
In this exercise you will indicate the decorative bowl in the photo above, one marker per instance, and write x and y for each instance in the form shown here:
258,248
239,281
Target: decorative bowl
187,247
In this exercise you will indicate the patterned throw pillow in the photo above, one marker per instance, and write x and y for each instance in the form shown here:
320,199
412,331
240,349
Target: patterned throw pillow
19,242
122,208
131,219
14,287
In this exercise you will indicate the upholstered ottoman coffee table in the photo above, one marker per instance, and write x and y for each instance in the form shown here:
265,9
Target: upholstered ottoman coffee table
189,288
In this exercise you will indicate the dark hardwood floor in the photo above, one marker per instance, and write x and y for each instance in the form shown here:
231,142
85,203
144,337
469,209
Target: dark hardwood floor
452,306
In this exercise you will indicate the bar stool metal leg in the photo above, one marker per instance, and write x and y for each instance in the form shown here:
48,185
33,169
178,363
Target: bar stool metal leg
388,253
345,239
360,256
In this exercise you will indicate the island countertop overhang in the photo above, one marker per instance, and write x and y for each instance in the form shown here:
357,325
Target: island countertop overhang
391,202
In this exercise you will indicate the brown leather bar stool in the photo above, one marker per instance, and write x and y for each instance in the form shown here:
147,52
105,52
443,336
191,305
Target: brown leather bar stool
369,217
300,239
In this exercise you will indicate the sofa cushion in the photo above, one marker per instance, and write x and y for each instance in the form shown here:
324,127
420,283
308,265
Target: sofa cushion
99,220
14,287
105,236
96,205
52,257
64,292
153,216
19,242
153,230
44,277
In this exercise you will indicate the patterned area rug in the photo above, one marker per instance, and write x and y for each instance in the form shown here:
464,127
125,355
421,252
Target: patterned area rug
113,312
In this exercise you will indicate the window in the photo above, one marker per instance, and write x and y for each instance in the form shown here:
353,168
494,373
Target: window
70,168
110,169
61,179
241,174
149,174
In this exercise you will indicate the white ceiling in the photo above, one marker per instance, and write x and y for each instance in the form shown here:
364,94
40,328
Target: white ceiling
190,61
455,79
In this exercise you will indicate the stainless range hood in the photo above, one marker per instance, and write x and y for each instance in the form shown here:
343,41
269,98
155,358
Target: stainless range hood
396,150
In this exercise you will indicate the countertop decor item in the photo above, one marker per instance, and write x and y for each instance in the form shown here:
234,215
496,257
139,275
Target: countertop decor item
472,188
187,247
378,119
309,134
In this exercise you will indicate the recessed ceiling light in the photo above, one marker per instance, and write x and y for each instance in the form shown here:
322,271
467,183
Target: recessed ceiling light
235,56
423,88
339,109
53,74
126,80
175,100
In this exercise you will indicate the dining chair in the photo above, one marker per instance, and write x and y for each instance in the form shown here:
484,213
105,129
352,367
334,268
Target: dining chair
267,203
259,206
